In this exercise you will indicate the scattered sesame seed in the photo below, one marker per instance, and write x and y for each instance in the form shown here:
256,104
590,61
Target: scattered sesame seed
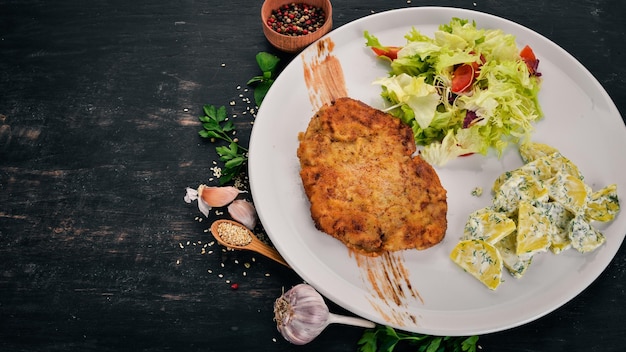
220,276
232,103
223,65
185,110
180,245
267,274
209,271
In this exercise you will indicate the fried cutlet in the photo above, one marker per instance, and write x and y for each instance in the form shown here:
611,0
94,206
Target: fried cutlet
364,184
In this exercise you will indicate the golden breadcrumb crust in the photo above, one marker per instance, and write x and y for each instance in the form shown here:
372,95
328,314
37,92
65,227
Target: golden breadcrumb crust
364,185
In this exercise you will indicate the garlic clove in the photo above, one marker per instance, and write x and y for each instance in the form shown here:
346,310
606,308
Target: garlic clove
203,207
190,195
218,196
243,212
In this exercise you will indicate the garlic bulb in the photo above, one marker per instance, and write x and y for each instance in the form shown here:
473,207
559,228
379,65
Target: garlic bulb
301,315
244,212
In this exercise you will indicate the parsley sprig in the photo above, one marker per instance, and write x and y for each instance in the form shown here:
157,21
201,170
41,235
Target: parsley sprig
216,126
268,64
385,339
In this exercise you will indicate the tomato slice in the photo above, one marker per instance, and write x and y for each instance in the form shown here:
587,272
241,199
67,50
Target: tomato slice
462,78
477,65
389,51
528,54
530,59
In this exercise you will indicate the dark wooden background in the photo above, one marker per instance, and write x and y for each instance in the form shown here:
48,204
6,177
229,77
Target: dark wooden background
99,102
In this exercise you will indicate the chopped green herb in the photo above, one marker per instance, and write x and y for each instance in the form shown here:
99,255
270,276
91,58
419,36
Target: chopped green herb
477,192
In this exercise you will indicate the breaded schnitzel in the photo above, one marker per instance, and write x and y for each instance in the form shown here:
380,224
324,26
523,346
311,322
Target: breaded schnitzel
365,187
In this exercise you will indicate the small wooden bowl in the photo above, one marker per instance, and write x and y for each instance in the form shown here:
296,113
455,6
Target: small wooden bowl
294,44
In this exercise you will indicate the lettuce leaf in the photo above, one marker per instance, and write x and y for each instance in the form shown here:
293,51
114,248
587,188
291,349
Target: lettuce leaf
422,98
503,97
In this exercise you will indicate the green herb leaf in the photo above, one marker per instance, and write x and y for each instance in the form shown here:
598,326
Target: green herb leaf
368,341
208,134
267,62
469,344
255,79
385,338
228,126
434,344
211,125
234,162
261,90
229,152
216,126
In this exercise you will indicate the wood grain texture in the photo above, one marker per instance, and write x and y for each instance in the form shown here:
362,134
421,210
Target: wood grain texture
98,140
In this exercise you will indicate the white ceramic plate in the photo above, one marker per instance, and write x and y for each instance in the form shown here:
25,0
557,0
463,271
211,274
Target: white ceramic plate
580,120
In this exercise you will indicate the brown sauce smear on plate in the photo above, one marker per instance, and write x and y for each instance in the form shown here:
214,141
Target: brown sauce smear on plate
323,75
389,280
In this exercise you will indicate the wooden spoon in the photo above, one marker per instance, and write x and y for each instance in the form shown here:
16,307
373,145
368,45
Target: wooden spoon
255,244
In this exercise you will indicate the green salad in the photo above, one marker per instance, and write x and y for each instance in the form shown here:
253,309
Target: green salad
466,90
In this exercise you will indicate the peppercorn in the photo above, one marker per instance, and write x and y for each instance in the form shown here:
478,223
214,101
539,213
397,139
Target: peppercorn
296,19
